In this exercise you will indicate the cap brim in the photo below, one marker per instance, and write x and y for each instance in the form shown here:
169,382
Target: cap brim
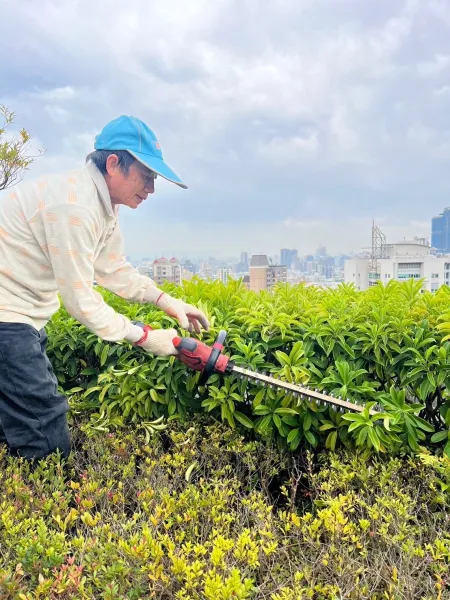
158,166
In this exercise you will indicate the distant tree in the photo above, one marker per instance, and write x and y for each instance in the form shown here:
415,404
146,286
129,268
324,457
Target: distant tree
14,153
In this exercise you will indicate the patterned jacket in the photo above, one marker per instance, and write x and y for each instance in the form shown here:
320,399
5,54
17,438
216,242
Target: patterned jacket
57,236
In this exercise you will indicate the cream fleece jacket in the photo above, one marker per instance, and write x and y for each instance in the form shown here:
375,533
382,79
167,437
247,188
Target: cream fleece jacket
57,235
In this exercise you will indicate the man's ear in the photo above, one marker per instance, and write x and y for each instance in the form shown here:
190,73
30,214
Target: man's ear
112,164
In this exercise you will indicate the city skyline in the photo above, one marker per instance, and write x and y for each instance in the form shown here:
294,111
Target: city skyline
393,233
316,263
293,127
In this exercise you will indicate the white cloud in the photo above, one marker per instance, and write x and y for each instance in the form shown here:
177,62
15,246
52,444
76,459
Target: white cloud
57,114
292,150
55,94
434,67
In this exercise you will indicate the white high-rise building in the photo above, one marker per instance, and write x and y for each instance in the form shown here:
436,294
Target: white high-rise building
401,261
224,274
206,271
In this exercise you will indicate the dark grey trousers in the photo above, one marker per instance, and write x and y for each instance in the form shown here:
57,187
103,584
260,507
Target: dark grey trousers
33,414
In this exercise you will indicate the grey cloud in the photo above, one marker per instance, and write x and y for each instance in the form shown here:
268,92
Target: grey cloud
303,110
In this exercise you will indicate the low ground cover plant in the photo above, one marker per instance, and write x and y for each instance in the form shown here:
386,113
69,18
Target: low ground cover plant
198,512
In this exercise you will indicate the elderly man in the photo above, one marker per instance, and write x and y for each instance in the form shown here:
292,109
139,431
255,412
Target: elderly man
58,235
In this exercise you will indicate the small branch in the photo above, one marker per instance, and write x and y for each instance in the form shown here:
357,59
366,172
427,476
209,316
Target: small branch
14,155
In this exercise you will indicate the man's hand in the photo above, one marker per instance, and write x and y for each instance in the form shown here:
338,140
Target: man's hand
187,315
158,341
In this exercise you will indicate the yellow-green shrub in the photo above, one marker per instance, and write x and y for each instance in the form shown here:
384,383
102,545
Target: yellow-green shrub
131,519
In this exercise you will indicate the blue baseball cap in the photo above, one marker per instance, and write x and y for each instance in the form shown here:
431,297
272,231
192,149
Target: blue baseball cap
133,135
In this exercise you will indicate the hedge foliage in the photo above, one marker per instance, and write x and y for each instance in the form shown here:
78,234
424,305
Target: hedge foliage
193,500
193,515
388,345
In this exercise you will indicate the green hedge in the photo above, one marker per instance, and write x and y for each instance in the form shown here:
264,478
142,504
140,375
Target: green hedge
387,345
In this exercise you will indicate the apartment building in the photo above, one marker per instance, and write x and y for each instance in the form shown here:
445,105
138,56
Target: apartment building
166,270
402,261
263,276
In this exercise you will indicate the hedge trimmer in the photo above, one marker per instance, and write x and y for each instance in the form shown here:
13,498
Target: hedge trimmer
210,360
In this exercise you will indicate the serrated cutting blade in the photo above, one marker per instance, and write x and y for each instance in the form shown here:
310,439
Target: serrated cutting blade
336,403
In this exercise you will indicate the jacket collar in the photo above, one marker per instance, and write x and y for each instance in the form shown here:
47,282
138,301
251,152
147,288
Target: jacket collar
102,189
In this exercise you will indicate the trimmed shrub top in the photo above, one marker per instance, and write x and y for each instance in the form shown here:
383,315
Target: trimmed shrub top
388,345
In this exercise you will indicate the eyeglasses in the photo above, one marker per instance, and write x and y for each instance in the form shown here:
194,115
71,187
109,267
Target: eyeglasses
147,174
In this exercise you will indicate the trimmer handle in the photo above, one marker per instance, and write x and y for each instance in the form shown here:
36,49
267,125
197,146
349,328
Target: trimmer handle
200,357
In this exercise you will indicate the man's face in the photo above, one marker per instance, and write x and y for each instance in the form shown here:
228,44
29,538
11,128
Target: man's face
131,188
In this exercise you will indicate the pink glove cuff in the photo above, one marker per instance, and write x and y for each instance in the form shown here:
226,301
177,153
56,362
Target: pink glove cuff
152,294
144,337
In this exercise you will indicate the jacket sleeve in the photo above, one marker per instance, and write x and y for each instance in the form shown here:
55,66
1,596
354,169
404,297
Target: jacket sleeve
113,272
71,234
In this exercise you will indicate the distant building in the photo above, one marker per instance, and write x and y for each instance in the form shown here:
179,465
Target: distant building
329,267
224,274
206,271
259,264
145,269
402,261
186,275
264,276
189,266
440,231
166,270
241,267
276,274
288,257
339,261
243,264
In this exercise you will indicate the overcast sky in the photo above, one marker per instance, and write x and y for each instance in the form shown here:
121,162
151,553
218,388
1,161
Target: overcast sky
293,122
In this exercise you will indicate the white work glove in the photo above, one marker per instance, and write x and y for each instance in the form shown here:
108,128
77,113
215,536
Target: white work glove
156,341
187,315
